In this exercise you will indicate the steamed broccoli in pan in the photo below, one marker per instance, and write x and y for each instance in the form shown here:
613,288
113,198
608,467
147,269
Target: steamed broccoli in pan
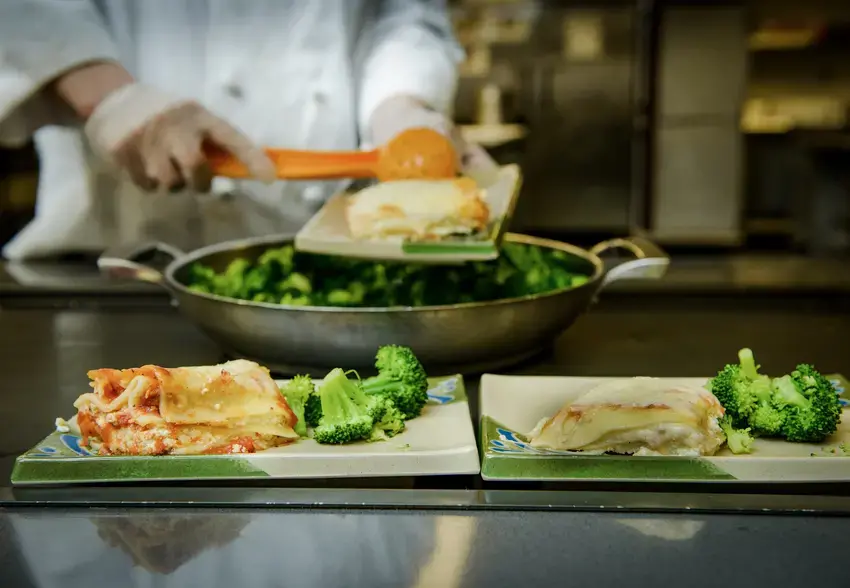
284,276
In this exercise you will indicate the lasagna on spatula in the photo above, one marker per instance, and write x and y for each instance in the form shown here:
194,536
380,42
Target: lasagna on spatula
235,407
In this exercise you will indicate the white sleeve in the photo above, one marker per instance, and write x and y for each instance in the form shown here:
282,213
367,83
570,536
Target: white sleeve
40,39
408,48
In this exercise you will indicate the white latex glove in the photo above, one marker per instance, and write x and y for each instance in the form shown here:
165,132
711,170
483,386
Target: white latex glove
399,113
157,138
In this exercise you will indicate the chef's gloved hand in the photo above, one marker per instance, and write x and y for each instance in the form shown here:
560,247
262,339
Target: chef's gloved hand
400,113
155,137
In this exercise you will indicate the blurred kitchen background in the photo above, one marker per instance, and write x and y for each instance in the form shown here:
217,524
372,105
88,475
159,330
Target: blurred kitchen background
703,125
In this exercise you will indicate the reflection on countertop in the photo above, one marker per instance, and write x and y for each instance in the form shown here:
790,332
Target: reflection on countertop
423,549
161,543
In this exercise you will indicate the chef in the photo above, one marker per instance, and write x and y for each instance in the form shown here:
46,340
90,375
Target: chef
118,96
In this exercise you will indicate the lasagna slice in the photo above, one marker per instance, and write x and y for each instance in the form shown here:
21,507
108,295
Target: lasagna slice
638,416
418,210
235,407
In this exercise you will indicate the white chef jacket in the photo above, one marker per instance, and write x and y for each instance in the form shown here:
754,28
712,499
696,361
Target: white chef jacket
303,74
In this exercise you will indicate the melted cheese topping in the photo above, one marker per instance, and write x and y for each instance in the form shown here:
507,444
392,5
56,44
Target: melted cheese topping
641,416
417,209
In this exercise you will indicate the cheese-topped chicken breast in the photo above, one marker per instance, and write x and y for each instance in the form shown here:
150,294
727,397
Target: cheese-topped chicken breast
417,210
639,416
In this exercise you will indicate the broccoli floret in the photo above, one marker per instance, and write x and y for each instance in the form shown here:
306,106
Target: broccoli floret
785,393
295,299
352,295
347,413
738,440
233,280
378,405
297,392
766,420
264,297
313,410
278,260
815,412
401,379
802,406
295,283
389,421
740,388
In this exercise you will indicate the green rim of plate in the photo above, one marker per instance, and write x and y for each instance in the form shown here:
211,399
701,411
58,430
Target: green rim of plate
487,245
32,470
451,248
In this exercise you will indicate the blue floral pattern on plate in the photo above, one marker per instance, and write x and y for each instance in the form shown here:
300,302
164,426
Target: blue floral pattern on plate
69,441
510,442
72,442
43,451
444,392
839,388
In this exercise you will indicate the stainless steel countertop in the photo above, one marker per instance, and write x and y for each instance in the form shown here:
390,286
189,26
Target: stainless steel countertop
225,548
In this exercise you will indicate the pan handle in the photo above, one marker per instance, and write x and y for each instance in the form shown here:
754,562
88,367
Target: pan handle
121,262
651,262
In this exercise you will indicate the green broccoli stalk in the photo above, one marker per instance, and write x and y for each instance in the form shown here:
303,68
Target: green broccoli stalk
814,413
347,413
401,379
297,392
738,440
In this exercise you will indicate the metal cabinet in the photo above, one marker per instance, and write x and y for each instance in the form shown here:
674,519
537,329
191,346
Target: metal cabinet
697,169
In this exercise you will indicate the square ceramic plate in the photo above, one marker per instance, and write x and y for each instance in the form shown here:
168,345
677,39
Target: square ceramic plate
512,405
440,441
327,232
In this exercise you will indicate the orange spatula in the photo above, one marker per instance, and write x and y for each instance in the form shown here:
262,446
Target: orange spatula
419,153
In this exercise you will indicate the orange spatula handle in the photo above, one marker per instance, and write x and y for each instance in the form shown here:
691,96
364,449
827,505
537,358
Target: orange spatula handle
300,165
